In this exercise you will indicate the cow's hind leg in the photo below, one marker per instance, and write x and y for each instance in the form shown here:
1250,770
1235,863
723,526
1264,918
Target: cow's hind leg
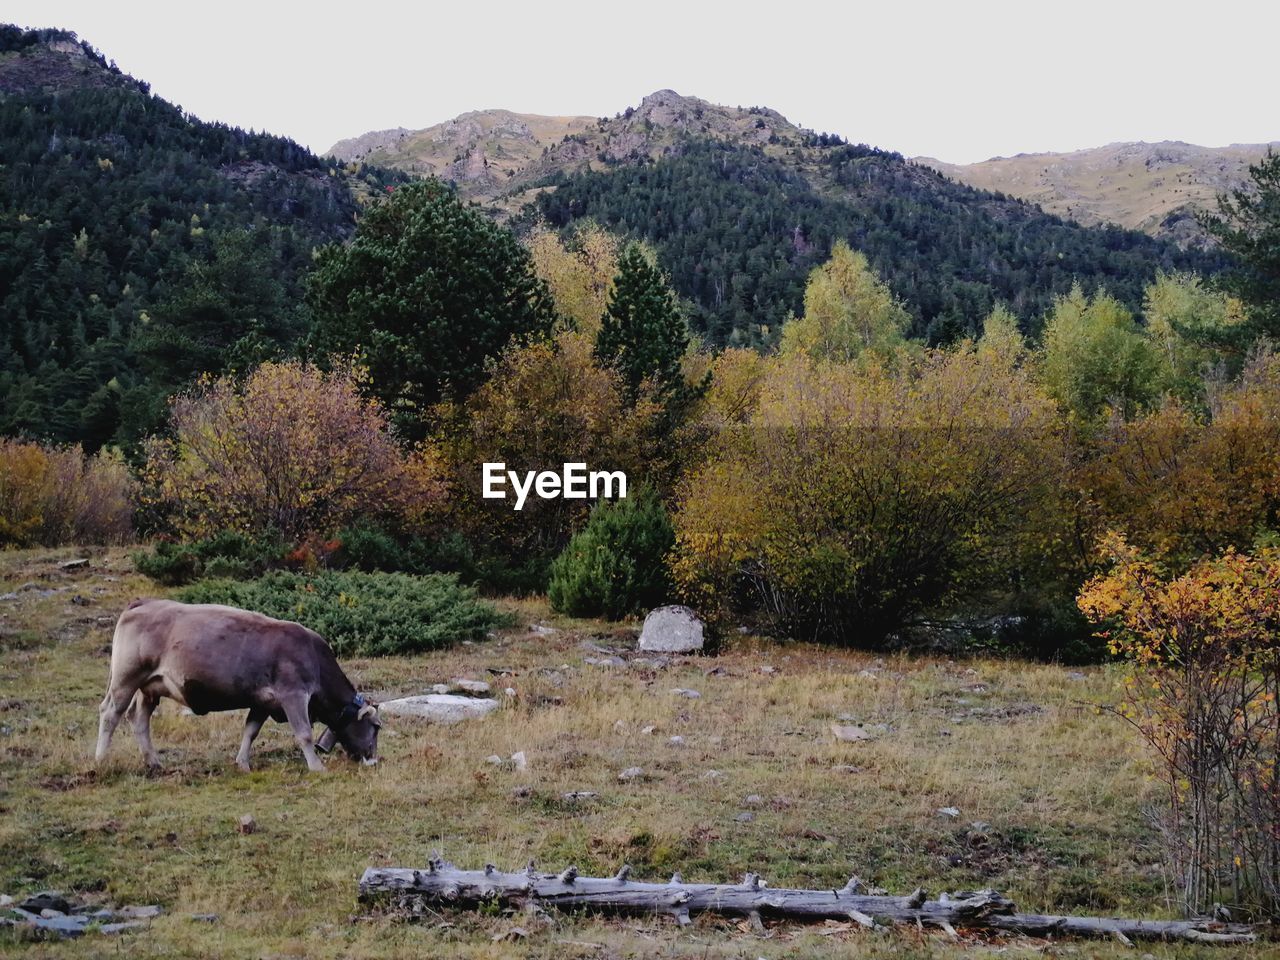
252,725
113,707
144,705
298,711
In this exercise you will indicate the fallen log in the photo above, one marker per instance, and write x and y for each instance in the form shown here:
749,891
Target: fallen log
442,882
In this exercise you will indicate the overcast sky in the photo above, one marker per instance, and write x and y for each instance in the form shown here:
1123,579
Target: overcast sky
961,81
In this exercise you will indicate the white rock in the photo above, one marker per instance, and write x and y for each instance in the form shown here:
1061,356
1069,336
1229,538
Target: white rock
648,729
631,773
951,812
510,691
439,708
493,760
673,629
520,760
849,733
684,692
676,741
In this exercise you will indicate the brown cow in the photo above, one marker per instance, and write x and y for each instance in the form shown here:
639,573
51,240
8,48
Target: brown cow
209,657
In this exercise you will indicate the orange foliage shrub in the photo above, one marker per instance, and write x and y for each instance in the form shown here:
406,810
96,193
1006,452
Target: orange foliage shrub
1204,695
292,448
57,495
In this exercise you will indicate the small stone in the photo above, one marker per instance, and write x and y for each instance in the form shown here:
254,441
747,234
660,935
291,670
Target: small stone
1076,675
648,729
139,913
604,661
712,775
510,691
247,824
743,629
744,817
676,741
78,564
113,928
493,760
541,629
849,733
519,760
476,687
753,800
768,671
577,796
686,692
50,914
5,900
631,773
440,689
204,918
949,812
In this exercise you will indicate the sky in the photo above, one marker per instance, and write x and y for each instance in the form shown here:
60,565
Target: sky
959,81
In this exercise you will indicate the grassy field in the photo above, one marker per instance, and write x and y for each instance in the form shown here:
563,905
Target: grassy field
1051,794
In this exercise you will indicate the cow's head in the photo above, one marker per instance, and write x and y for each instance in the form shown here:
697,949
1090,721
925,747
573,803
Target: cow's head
356,728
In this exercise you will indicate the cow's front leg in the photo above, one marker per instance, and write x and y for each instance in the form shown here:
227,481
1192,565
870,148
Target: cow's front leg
252,725
298,711
144,705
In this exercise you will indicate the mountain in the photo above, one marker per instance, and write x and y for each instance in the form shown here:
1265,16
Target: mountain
139,245
1154,187
741,204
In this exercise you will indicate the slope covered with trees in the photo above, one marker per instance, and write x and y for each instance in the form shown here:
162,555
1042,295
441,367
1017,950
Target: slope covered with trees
140,246
739,229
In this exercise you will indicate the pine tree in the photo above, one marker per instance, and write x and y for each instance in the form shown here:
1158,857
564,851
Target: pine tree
643,334
1248,226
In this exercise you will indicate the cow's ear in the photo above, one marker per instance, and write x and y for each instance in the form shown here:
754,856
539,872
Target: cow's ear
326,741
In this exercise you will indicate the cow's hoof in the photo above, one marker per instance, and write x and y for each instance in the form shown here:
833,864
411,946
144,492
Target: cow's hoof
243,766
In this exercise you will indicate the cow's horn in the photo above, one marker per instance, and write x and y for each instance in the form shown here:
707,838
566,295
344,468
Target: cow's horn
326,741
367,710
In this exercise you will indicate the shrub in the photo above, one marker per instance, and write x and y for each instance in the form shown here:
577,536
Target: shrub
293,449
57,495
616,565
1205,695
857,498
362,614
230,555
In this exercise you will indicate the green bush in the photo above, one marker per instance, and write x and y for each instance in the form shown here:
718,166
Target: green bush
229,554
368,614
616,565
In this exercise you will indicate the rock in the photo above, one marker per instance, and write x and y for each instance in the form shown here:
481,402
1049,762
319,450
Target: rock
753,800
78,564
849,732
604,661
684,692
439,708
493,760
474,687
510,691
45,900
651,663
676,741
247,824
66,927
712,775
204,918
744,817
768,671
139,913
522,792
519,760
541,629
673,629
441,689
1076,675
631,773
577,796
949,812
5,900
648,729
50,914
112,928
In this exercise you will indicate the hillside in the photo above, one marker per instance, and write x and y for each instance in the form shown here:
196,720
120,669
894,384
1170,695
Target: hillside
1153,187
741,204
139,245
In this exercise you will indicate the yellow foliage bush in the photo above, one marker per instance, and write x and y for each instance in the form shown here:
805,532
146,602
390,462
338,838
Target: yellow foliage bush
58,495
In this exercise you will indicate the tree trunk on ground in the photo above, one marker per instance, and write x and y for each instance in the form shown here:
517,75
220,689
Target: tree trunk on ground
444,883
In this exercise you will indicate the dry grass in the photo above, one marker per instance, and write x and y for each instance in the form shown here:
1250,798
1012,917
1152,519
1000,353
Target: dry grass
1006,743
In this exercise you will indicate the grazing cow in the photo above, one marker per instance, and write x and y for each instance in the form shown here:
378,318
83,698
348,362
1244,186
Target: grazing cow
209,657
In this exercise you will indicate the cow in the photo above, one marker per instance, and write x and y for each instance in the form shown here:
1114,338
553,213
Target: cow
210,658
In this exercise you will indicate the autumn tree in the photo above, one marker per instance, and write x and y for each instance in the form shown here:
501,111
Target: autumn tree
1198,331
1095,357
848,309
291,448
428,291
1204,693
578,270
857,496
59,495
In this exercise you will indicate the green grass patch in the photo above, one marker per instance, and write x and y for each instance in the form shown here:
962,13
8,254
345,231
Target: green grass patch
363,614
